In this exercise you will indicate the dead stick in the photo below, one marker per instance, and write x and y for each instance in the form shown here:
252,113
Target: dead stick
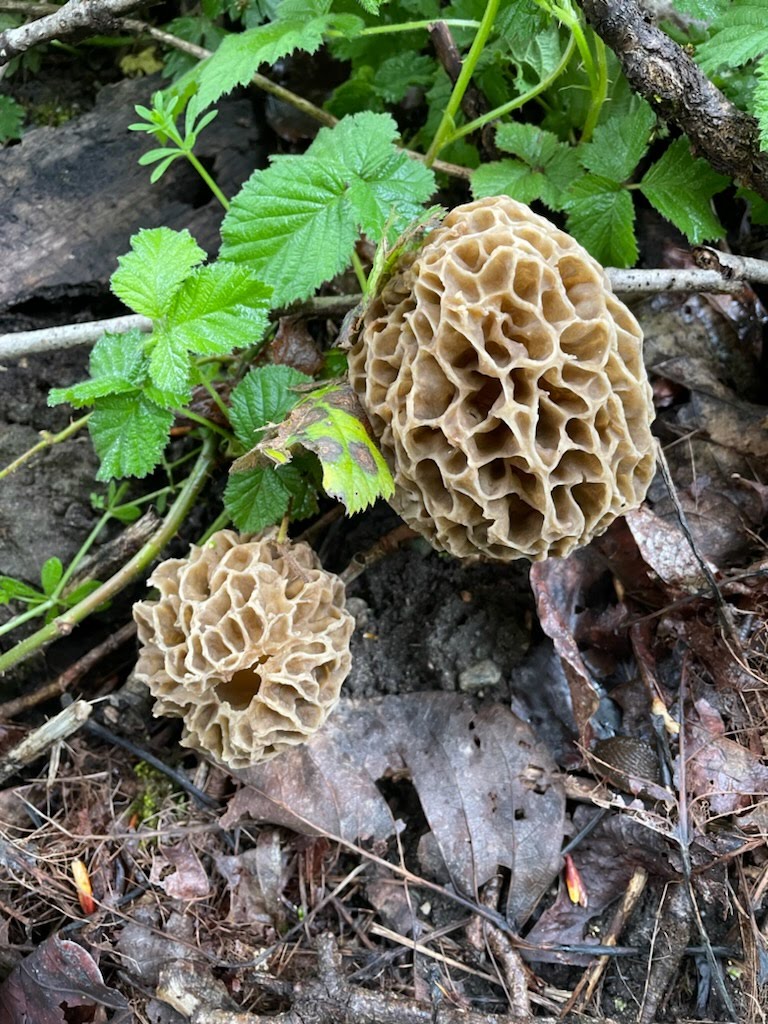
663,74
37,742
57,686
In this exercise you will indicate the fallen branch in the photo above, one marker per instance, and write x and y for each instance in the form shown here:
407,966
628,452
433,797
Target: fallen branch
37,742
74,17
663,74
718,272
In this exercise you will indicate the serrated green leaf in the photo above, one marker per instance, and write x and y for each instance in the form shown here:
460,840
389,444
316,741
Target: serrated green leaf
117,366
601,216
239,56
296,222
511,178
546,168
293,225
151,273
261,497
618,145
758,207
760,101
219,308
330,423
739,34
681,186
129,434
11,119
50,574
265,396
401,72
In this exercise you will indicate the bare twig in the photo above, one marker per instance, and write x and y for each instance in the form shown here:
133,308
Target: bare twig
664,75
74,17
57,686
37,742
724,274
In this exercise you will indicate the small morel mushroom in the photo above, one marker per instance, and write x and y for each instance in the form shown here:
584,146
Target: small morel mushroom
248,643
505,383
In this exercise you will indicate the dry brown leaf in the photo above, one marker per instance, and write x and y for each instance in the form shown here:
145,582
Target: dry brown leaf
188,881
488,789
719,770
59,973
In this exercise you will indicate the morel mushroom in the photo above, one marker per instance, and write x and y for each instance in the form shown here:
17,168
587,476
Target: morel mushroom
505,383
248,643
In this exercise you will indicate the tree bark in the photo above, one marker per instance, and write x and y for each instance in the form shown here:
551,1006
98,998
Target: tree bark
663,74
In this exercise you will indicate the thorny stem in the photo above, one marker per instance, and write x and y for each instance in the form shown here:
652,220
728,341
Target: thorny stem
48,440
447,122
65,623
208,179
519,101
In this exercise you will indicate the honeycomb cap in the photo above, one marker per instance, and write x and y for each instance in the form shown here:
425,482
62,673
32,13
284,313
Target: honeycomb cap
505,383
248,643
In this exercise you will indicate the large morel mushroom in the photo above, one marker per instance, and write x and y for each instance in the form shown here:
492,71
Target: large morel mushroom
505,383
248,643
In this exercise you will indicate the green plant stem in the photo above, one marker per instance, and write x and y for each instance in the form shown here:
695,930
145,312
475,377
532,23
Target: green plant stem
208,180
600,90
222,520
65,623
447,122
215,396
357,266
597,73
412,26
187,414
48,440
507,108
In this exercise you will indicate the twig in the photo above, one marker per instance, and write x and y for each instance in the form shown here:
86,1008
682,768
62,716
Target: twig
57,686
732,273
663,74
75,16
65,623
23,343
585,989
37,742
96,729
47,441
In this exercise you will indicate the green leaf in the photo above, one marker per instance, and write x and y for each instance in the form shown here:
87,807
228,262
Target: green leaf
11,119
117,366
330,423
12,589
702,10
218,308
240,56
511,178
739,35
601,216
760,101
758,207
265,396
296,222
681,186
80,592
129,434
261,497
619,144
546,168
149,276
50,575
401,72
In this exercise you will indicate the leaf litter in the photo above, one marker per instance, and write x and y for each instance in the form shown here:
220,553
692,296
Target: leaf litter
424,828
